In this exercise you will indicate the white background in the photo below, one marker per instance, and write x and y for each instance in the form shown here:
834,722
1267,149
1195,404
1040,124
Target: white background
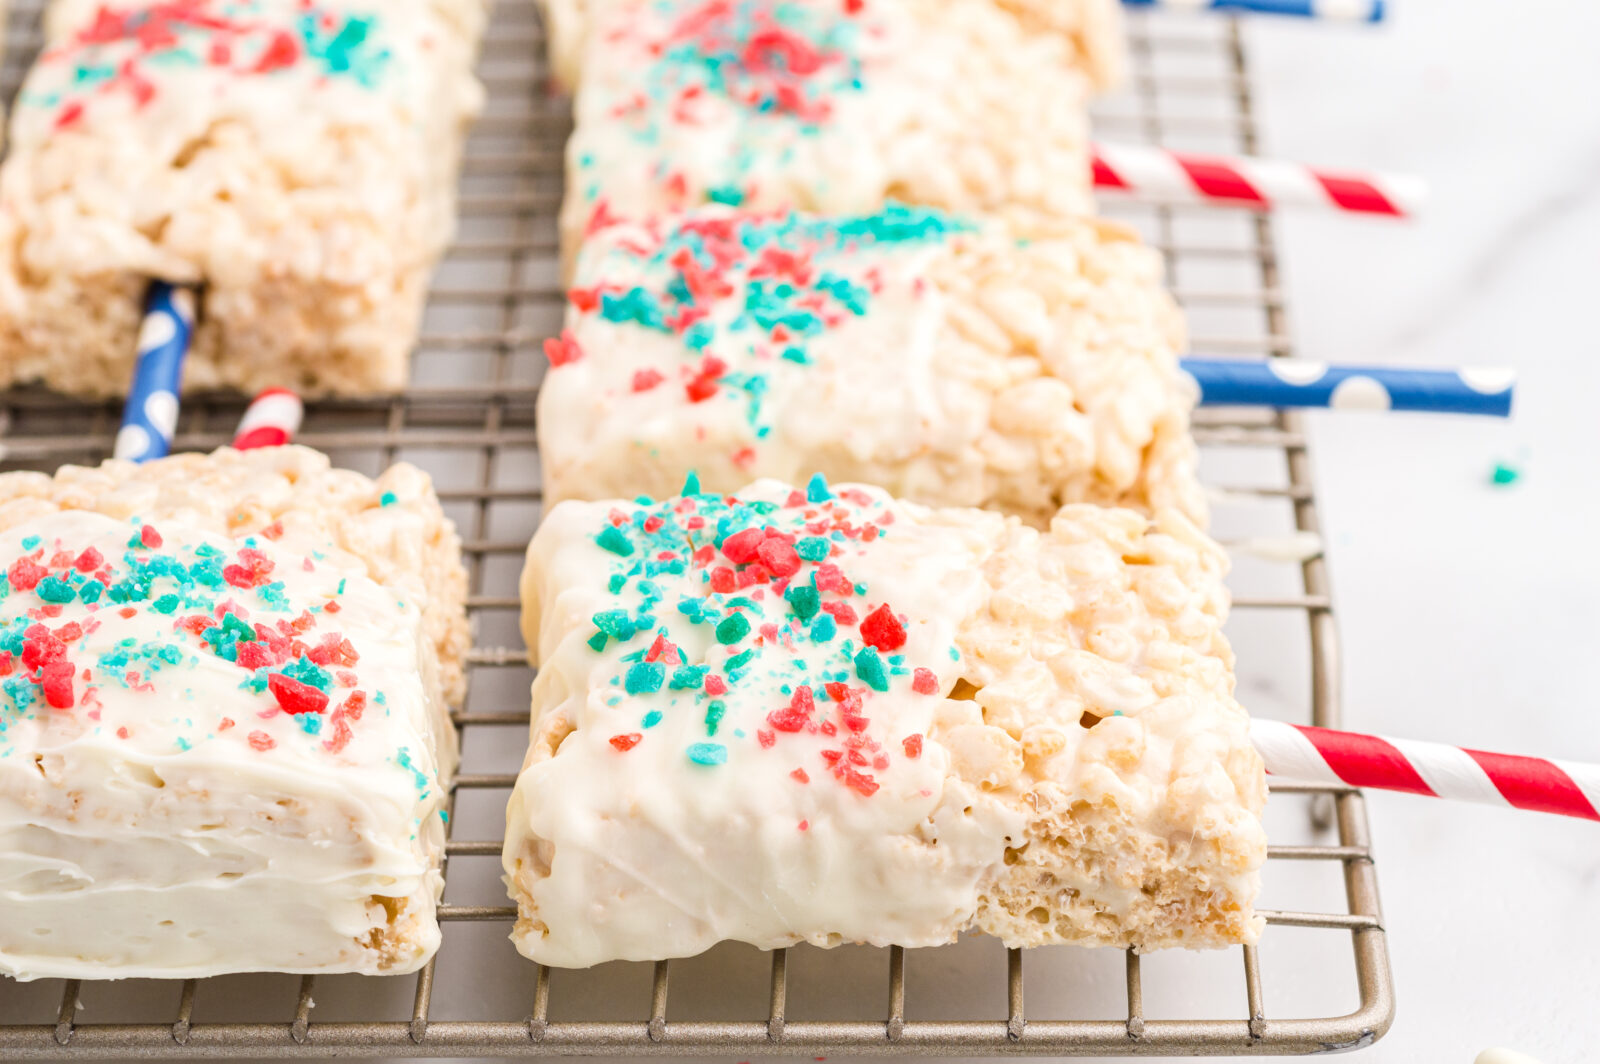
1468,613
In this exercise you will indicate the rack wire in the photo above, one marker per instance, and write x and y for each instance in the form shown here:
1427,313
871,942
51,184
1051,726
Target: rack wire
469,420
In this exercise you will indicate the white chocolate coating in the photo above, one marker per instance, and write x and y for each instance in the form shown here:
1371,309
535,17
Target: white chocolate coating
1017,366
170,813
1044,745
296,159
821,105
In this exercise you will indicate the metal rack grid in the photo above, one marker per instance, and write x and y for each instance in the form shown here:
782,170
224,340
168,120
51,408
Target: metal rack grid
469,421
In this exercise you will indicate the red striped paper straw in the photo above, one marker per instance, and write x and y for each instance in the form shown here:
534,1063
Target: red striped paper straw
271,420
1321,755
1258,184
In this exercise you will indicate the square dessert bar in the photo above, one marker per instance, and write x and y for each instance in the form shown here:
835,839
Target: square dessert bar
826,716
823,105
225,740
1017,366
293,159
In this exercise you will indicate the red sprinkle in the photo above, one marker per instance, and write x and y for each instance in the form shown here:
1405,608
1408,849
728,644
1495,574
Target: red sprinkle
225,724
804,824
831,578
122,733
913,745
716,685
796,715
150,537
281,53
626,742
645,379
779,557
562,350
260,740
766,738
88,561
254,655
25,574
840,612
723,580
56,680
741,547
800,776
40,648
924,682
295,697
882,630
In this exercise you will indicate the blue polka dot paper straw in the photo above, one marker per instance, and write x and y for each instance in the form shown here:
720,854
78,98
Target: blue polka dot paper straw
1329,10
151,413
1279,382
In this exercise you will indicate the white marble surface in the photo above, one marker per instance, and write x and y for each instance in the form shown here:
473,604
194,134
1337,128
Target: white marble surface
1467,612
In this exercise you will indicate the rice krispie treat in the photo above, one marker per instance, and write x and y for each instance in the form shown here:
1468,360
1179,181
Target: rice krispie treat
823,105
390,530
295,159
825,716
217,754
949,362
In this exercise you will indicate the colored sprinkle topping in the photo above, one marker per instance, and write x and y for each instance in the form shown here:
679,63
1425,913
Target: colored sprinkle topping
199,608
777,68
793,643
126,48
747,296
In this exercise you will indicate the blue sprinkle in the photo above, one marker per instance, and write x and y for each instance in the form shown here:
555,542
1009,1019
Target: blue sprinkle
708,753
613,540
644,677
688,678
817,489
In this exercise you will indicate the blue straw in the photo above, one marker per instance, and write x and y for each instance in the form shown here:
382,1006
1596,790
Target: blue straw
151,413
1347,11
1278,382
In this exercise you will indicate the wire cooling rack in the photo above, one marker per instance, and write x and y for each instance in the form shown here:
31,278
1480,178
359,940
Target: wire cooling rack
1318,982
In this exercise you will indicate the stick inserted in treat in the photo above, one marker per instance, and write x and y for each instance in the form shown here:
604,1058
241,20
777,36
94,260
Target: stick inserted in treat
1434,769
1329,10
1282,382
151,414
1242,181
271,420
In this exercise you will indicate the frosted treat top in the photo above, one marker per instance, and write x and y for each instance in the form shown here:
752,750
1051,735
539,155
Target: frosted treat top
1018,364
123,640
777,658
287,66
818,104
737,311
